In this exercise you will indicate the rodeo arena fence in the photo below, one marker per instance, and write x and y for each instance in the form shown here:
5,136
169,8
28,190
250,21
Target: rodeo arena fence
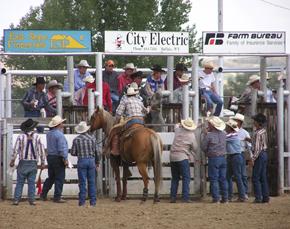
278,115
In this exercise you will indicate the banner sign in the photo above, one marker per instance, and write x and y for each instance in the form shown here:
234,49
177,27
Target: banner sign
244,42
146,42
47,41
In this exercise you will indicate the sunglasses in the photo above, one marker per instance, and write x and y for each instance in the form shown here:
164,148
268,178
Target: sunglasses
111,66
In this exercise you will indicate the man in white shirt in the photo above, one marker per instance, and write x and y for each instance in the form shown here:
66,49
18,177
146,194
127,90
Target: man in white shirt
207,88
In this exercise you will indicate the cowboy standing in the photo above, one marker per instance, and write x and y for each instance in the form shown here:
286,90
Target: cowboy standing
57,159
182,152
30,149
52,87
85,148
154,82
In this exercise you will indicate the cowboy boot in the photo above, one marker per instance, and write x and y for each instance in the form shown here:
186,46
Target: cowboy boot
118,197
124,195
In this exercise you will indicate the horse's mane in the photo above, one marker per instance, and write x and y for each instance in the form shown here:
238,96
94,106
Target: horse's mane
109,120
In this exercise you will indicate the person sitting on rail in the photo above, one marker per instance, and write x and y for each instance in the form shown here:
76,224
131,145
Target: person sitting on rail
125,77
52,87
180,69
154,82
207,88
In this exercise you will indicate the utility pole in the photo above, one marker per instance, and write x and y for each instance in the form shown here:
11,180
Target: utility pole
220,76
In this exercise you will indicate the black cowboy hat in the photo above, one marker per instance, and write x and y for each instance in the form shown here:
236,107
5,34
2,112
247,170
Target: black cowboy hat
180,67
157,68
137,74
39,80
28,125
260,118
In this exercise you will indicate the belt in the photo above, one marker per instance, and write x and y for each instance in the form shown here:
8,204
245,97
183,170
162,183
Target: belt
234,154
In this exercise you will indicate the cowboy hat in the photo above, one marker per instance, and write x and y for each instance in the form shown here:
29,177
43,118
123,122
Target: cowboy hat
136,74
131,91
54,83
188,124
129,66
184,78
253,79
217,123
233,124
239,117
89,79
28,125
135,86
260,118
83,63
55,121
208,64
180,67
39,80
82,127
157,68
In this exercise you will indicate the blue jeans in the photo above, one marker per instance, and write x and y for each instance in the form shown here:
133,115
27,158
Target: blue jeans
115,99
56,175
235,168
244,174
180,169
261,189
212,98
87,171
26,170
217,170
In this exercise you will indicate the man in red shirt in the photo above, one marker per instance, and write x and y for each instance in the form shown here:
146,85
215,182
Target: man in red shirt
125,78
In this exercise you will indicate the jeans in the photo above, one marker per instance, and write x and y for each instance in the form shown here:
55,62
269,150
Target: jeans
212,98
34,114
87,171
235,168
26,170
56,175
115,99
180,169
261,189
244,174
217,169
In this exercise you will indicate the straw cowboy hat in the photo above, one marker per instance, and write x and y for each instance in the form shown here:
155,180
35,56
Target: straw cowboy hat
188,124
55,121
135,86
184,78
89,79
129,66
239,117
82,127
208,64
217,123
131,91
253,79
39,80
83,63
28,125
233,124
54,83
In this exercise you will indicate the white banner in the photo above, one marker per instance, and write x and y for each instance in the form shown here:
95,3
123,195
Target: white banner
146,42
243,42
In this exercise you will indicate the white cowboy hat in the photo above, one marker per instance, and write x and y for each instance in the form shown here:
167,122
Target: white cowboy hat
252,79
208,64
55,121
129,66
217,122
54,83
82,127
233,124
89,79
239,117
135,86
83,63
184,78
131,91
188,124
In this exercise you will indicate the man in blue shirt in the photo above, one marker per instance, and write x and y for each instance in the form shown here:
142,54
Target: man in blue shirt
79,74
57,153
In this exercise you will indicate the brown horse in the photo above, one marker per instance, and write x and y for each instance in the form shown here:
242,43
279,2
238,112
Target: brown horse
140,145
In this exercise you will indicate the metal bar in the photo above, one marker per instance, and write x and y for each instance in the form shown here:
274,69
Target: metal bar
8,107
170,66
254,95
286,154
2,97
288,116
58,103
91,103
263,74
70,75
99,79
7,179
185,102
194,82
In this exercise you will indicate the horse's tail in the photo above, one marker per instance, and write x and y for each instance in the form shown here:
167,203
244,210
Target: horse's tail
157,149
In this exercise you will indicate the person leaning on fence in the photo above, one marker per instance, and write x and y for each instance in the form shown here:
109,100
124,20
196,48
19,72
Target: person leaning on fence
125,77
260,160
182,152
30,149
154,82
52,88
235,160
57,159
207,88
180,69
178,93
85,147
214,146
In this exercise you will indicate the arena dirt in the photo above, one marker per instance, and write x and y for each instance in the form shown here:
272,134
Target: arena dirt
132,214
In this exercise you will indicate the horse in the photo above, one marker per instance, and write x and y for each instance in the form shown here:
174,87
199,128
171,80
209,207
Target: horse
140,145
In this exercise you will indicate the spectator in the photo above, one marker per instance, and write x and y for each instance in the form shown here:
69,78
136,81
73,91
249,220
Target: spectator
30,149
207,88
125,78
253,83
270,96
80,94
182,152
79,74
85,147
154,81
177,93
180,69
52,87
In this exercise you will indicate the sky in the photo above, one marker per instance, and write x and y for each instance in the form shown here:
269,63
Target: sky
239,15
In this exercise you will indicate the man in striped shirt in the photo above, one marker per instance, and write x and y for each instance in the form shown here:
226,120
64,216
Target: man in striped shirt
29,148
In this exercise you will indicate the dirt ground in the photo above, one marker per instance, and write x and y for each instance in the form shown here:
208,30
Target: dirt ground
132,214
